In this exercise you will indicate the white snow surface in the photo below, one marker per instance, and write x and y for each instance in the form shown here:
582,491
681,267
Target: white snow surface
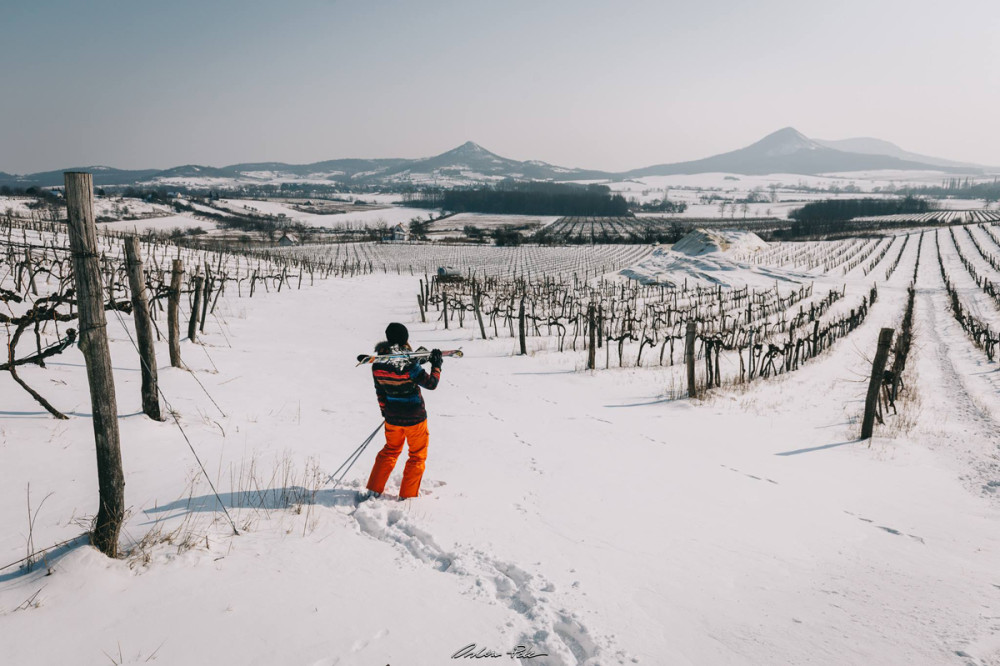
702,241
388,215
17,206
708,258
587,515
160,224
119,207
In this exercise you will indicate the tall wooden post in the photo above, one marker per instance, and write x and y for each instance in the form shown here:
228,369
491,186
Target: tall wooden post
479,312
94,345
143,328
173,313
520,328
600,324
420,302
592,335
195,309
875,382
207,296
689,358
444,305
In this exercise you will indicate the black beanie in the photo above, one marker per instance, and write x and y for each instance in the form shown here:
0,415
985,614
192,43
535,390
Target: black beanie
396,334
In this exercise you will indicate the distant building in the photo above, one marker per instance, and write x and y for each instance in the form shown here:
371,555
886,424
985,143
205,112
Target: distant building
287,240
400,233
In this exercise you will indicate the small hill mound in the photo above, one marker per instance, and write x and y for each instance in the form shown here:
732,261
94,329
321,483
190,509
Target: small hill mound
701,242
709,258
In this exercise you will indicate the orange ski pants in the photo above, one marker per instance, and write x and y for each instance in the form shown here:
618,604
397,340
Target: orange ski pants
416,437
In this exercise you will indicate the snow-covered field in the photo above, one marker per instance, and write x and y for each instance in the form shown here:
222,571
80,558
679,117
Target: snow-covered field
786,189
104,207
586,515
123,207
17,206
529,260
388,215
454,224
865,181
164,224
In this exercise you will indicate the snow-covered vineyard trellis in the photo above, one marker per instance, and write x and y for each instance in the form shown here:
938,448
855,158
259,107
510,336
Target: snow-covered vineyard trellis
638,228
38,291
753,332
530,261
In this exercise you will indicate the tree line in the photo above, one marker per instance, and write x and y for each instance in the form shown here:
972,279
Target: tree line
830,210
965,189
514,198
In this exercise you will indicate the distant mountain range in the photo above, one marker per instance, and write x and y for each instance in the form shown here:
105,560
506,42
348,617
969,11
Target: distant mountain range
784,151
870,146
790,151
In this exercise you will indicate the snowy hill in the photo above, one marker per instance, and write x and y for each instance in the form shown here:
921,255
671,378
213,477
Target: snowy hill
872,146
785,151
701,241
102,176
709,258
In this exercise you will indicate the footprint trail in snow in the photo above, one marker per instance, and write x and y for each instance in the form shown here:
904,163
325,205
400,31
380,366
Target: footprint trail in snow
545,625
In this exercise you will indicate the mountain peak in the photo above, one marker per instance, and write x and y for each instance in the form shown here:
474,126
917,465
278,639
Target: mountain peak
785,141
787,133
470,148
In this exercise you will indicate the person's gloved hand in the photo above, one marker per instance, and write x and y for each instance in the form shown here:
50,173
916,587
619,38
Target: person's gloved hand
436,359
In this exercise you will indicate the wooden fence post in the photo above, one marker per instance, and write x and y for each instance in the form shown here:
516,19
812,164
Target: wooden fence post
875,383
479,312
420,303
143,328
94,345
520,328
600,325
173,313
592,335
689,339
444,305
195,309
207,297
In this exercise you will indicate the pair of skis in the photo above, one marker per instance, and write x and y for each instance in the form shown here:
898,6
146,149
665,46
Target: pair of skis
420,356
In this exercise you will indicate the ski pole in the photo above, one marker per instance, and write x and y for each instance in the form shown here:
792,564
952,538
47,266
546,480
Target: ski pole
353,458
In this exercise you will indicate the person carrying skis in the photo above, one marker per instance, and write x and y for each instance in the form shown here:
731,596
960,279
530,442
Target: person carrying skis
397,386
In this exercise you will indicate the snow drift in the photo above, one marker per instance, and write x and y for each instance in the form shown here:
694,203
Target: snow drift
700,242
709,258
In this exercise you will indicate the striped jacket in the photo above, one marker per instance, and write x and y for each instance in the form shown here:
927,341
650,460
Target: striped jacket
397,386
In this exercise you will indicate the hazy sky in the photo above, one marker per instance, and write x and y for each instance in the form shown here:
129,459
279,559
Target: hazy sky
581,83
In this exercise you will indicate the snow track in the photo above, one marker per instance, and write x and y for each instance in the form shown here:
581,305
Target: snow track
545,625
961,410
